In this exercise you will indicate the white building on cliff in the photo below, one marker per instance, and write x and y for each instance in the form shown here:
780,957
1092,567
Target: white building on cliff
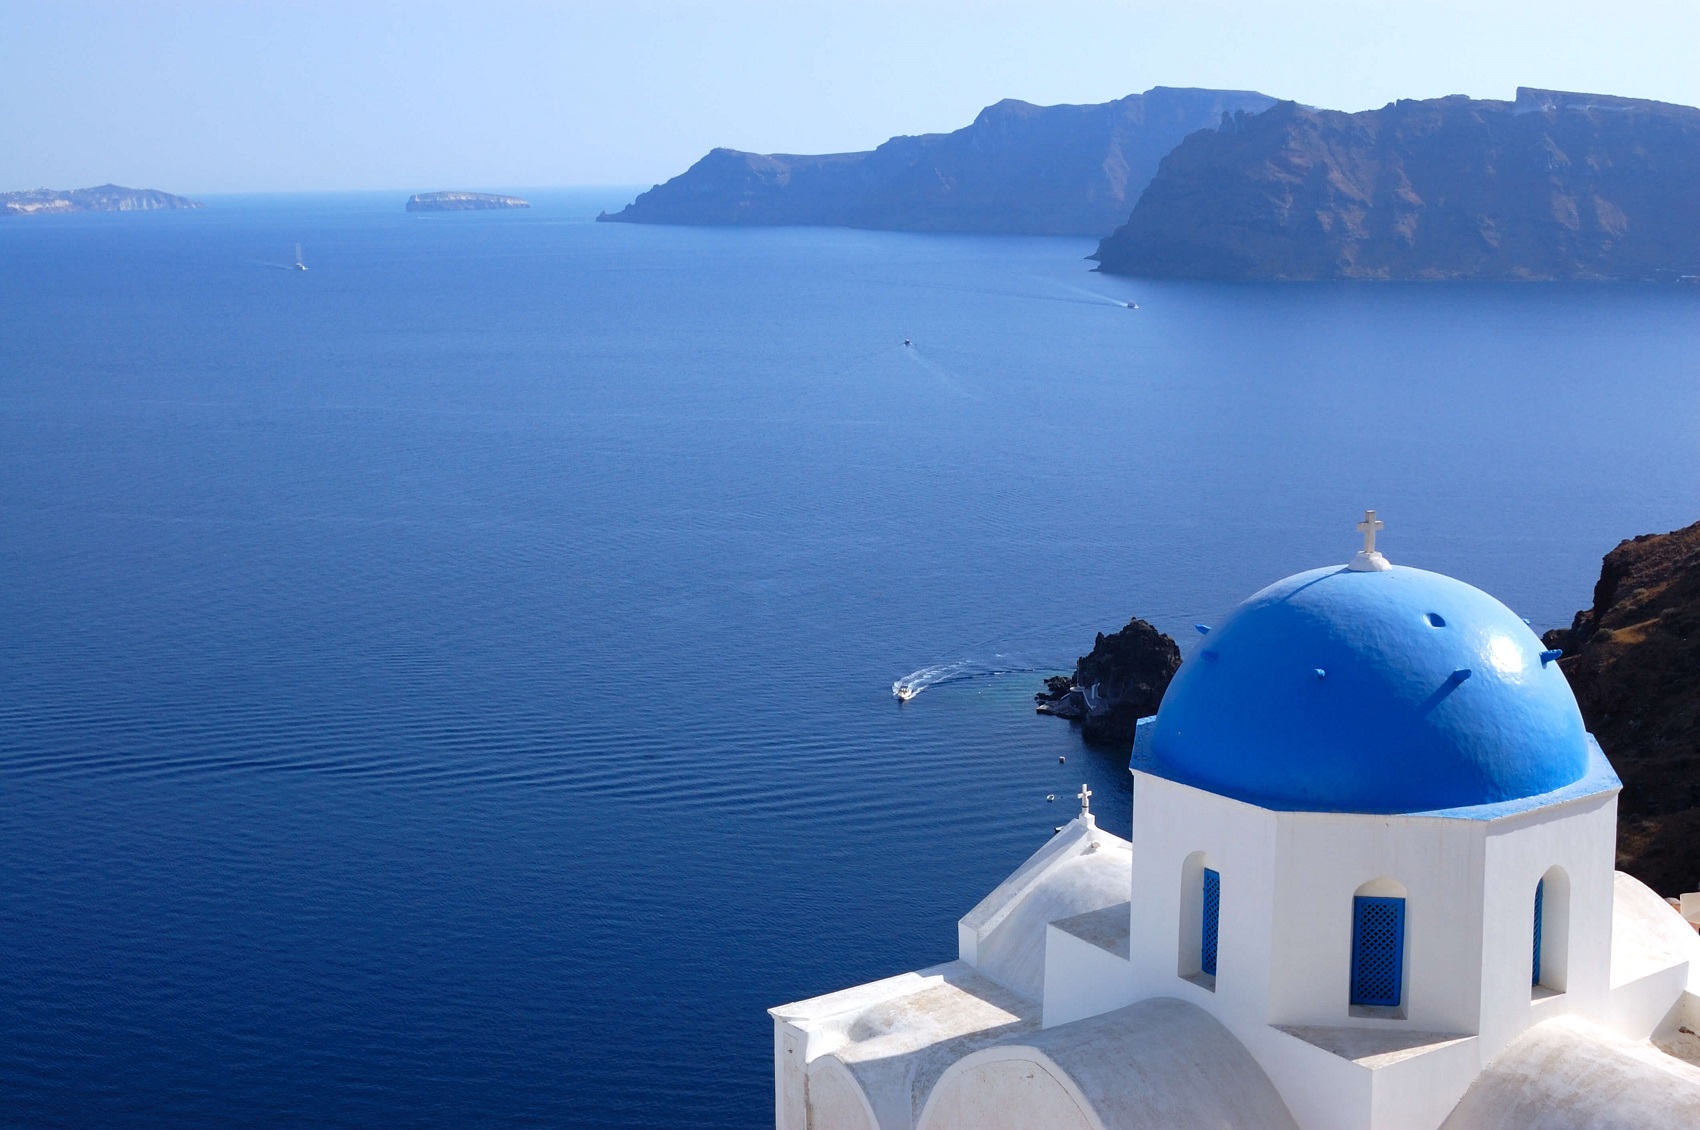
1370,885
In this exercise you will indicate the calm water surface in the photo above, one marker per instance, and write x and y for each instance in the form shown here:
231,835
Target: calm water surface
451,686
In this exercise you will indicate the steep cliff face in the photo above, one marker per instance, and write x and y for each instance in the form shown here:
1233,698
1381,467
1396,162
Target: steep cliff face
1634,662
1551,186
1019,168
105,198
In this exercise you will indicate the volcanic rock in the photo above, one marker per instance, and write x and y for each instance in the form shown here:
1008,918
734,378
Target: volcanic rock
1633,660
1120,682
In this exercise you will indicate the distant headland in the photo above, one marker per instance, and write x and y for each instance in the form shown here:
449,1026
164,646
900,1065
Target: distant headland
1018,169
462,202
105,198
1550,186
1232,185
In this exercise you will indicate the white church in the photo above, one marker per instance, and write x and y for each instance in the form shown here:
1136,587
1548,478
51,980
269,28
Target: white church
1370,884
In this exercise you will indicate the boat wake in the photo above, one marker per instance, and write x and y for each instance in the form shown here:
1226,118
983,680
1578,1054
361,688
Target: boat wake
961,671
1092,294
940,373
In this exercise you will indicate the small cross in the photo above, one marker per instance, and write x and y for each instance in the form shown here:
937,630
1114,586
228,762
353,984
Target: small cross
1085,795
1367,528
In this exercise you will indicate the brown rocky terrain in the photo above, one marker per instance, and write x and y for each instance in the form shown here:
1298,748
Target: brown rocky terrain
1634,661
1550,186
1120,682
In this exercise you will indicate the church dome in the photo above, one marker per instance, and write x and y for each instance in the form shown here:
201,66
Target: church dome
1384,690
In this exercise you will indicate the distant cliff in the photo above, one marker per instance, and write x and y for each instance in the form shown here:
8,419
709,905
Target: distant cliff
1019,168
462,202
1551,186
1633,660
106,198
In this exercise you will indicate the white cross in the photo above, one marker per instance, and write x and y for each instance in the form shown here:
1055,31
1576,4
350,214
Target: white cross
1085,795
1367,527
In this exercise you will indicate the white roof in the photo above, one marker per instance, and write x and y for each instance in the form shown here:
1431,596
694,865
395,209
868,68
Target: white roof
1568,1073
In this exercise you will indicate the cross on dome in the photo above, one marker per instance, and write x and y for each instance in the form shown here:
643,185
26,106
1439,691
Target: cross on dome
1085,795
1368,559
1367,527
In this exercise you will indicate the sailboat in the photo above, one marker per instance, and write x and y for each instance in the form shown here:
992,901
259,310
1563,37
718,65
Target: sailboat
299,265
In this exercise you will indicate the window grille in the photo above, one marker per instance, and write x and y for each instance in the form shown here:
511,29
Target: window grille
1378,950
1211,917
1535,971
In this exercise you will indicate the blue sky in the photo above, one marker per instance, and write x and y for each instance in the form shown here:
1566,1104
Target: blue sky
233,97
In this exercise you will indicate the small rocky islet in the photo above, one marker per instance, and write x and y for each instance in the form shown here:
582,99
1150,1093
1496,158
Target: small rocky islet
462,202
1119,682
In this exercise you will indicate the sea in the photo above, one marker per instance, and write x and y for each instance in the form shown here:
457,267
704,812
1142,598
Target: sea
451,686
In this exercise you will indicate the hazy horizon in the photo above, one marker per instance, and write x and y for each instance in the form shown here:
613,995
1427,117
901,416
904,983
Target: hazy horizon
207,98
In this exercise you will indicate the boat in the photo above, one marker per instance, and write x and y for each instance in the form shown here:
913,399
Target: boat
1133,305
299,265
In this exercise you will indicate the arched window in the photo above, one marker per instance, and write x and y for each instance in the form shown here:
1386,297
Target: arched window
1378,945
1550,943
1535,978
1212,917
1200,918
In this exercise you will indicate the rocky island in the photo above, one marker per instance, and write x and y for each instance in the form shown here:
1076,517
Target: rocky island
1018,169
462,202
105,198
1120,682
1550,186
1633,660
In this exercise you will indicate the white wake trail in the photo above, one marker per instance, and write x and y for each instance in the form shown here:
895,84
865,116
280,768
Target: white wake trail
963,670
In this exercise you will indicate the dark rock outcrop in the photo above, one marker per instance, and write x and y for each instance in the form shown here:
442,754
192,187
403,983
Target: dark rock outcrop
1551,186
462,202
1634,661
105,198
1019,168
1120,682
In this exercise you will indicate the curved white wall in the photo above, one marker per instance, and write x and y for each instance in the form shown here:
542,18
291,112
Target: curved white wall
1001,1087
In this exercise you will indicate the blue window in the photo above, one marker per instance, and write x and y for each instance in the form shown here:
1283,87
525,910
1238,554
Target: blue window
1378,950
1535,972
1211,917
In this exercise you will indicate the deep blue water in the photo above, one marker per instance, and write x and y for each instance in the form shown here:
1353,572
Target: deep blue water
451,686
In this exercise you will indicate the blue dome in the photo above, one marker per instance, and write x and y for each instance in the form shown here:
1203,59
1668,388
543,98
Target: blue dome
1393,691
